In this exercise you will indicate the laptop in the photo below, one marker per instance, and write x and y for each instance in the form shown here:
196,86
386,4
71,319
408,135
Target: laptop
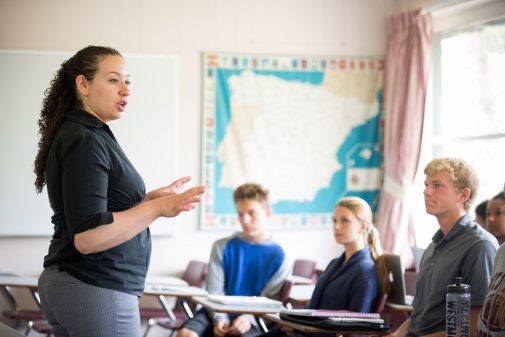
7,331
249,301
398,293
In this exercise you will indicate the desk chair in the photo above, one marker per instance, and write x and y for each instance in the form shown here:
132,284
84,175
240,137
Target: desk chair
43,327
195,274
21,315
305,268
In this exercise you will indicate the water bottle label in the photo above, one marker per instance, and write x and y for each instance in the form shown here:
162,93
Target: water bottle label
458,317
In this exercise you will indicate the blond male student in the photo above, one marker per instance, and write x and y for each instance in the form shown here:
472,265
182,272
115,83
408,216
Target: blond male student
246,263
460,247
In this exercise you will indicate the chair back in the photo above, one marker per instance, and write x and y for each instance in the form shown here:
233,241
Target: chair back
285,292
195,273
304,268
380,302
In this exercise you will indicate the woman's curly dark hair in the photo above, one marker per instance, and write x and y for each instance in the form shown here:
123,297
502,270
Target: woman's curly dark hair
60,97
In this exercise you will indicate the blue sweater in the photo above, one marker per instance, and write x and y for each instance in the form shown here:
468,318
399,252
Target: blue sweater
240,267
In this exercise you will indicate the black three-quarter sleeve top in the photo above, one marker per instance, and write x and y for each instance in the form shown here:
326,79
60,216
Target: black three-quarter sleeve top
88,177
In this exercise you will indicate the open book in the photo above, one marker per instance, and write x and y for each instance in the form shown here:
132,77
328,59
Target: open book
251,301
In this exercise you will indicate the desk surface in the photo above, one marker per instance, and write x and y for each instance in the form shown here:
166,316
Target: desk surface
300,279
18,281
306,328
236,309
399,307
176,291
300,327
302,292
165,280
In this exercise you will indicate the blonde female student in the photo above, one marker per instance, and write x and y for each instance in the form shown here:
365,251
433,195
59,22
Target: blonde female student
353,280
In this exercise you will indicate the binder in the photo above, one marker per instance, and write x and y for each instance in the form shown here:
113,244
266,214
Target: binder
339,324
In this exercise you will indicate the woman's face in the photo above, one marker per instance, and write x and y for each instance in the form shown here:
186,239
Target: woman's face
347,228
106,95
495,218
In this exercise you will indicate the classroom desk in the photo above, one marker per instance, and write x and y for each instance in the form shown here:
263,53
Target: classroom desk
181,292
311,329
30,283
240,309
300,279
399,307
302,292
165,280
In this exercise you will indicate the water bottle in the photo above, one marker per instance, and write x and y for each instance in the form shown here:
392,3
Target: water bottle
457,312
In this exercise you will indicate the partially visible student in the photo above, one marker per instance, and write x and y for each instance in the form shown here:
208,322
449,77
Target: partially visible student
480,213
492,315
351,281
495,220
247,263
459,248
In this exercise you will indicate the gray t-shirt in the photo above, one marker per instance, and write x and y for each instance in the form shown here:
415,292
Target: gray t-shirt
467,251
489,324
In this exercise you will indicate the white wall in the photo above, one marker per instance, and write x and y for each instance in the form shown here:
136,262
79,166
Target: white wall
186,28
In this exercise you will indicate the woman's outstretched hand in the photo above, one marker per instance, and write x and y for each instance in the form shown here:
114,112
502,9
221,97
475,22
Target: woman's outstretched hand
174,187
174,203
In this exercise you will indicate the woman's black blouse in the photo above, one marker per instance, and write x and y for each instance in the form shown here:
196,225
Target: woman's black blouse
88,177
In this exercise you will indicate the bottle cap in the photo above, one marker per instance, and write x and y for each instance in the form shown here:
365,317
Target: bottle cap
458,288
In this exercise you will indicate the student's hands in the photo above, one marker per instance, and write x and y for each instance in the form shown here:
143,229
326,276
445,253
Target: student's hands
239,326
221,328
174,187
175,203
287,330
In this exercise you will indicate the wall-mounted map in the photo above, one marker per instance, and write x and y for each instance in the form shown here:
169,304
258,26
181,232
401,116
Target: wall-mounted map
307,128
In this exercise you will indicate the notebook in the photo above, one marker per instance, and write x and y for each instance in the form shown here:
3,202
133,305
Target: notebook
331,313
347,325
398,292
251,301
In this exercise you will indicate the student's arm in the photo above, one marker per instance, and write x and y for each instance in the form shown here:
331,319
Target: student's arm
401,331
86,168
128,223
474,317
363,292
215,280
273,287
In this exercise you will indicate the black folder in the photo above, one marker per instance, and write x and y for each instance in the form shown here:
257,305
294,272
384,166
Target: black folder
338,325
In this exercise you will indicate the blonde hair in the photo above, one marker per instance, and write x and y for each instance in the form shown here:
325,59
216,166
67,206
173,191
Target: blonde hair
461,174
363,213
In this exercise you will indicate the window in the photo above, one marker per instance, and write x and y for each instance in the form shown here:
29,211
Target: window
468,111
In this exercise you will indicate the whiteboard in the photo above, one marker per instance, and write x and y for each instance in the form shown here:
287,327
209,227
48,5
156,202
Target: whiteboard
146,132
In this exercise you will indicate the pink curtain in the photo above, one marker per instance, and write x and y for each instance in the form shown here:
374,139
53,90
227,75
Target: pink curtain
408,58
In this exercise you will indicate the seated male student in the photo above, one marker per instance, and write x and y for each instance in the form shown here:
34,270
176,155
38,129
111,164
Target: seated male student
459,248
247,263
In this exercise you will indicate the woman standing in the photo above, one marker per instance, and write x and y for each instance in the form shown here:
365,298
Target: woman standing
99,253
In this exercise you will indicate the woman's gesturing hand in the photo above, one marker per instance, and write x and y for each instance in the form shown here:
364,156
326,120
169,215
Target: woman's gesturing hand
174,187
173,204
